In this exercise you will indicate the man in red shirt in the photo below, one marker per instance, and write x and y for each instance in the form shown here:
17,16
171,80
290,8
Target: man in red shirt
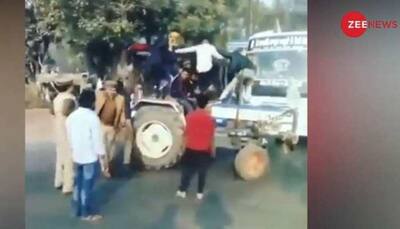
199,137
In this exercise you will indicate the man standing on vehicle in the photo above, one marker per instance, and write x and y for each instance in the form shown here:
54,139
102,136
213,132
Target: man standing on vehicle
205,52
235,88
111,109
86,140
239,61
199,137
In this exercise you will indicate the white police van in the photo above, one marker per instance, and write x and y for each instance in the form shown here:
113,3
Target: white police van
279,83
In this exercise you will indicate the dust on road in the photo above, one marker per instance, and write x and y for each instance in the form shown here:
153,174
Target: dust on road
38,126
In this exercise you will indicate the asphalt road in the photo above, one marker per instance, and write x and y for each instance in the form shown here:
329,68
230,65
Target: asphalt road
147,198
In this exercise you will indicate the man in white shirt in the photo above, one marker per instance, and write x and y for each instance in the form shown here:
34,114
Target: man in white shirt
205,52
204,55
86,141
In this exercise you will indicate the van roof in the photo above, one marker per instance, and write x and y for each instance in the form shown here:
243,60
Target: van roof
270,33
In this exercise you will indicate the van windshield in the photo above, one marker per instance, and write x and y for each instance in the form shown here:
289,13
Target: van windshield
277,69
291,63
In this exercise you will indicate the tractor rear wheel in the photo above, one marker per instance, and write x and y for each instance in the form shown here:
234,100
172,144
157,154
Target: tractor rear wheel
159,136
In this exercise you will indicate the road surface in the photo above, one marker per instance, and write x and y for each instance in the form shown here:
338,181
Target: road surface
147,199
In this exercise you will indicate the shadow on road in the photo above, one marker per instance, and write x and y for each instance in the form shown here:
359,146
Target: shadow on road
290,169
107,188
168,218
212,213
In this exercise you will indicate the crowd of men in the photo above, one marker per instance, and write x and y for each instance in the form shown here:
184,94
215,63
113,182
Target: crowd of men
86,130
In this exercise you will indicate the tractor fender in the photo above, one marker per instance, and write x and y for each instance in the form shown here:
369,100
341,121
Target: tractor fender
156,102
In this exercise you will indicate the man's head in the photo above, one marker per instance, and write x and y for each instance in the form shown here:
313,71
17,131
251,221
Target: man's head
184,75
202,100
175,39
110,87
87,99
64,84
205,41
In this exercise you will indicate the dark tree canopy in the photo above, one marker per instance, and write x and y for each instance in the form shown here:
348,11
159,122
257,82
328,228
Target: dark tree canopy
75,23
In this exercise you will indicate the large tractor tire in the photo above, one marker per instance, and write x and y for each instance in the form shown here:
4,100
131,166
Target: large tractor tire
159,136
252,162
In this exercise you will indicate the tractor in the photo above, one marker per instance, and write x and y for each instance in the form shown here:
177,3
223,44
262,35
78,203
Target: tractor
159,123
158,114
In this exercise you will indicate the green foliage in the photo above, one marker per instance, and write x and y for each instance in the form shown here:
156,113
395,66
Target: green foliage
82,20
78,21
200,19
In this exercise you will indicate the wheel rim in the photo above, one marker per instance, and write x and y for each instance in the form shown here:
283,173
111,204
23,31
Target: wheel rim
154,139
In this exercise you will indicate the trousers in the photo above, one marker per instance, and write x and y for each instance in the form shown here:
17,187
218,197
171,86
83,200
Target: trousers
194,162
109,137
64,169
83,196
128,142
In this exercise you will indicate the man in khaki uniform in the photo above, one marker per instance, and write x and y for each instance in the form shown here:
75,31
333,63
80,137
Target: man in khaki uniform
111,110
63,104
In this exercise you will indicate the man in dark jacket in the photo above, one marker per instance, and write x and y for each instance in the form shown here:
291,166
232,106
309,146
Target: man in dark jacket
238,61
161,65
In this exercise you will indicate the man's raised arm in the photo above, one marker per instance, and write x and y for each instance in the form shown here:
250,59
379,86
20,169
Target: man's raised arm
187,50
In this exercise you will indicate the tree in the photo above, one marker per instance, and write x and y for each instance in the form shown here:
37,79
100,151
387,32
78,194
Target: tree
82,20
152,17
200,19
72,24
36,41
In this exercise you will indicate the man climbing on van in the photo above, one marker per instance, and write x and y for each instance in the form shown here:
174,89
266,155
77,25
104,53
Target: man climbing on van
205,52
